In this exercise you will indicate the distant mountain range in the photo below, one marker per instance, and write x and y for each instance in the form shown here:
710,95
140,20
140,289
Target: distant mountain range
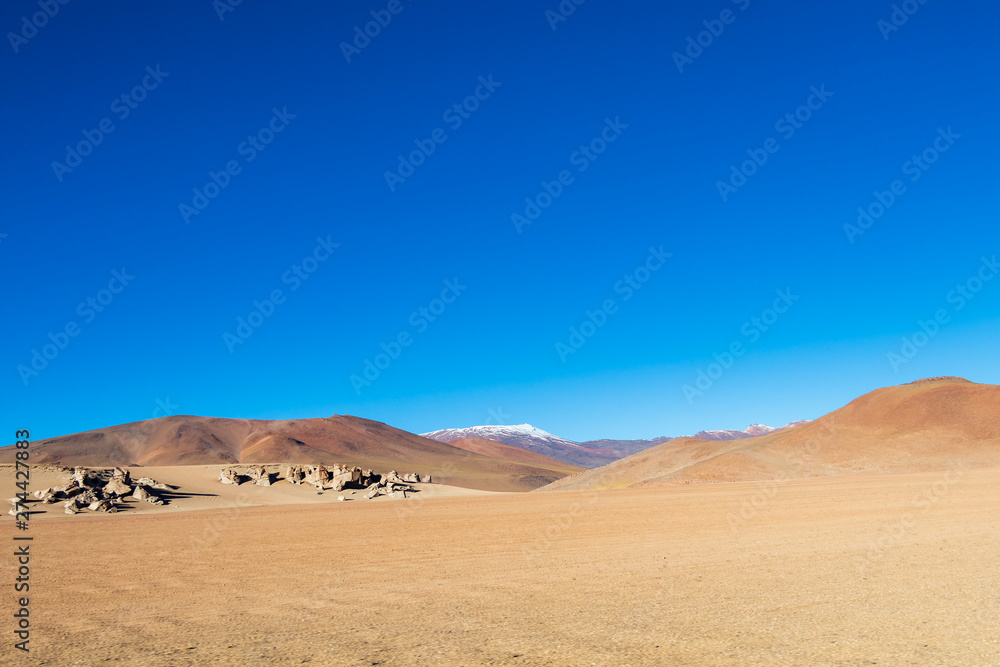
591,453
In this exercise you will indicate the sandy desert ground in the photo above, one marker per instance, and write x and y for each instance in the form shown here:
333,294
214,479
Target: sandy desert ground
900,569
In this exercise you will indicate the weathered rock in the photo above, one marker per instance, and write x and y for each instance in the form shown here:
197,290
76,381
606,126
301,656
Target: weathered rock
412,478
142,493
71,506
50,499
295,474
226,476
102,506
121,474
398,495
425,479
117,488
42,493
85,478
318,476
67,490
394,477
259,475
373,491
340,498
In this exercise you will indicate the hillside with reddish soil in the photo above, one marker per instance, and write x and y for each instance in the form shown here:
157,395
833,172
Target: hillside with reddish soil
933,424
187,440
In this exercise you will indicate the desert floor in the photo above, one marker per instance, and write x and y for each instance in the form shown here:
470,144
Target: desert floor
880,569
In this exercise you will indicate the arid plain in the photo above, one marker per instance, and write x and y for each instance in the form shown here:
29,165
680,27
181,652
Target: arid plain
824,574
837,563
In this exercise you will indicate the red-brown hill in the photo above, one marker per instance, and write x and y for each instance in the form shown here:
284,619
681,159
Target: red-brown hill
188,440
933,424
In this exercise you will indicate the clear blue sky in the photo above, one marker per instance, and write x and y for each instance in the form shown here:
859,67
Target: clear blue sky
158,344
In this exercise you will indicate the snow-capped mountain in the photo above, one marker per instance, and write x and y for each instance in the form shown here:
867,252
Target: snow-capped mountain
532,439
509,434
588,454
752,431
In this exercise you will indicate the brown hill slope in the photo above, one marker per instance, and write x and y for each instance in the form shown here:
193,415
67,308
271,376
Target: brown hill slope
933,424
501,450
187,440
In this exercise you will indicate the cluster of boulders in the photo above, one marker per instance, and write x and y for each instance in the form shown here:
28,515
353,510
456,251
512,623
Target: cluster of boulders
335,478
98,491
393,485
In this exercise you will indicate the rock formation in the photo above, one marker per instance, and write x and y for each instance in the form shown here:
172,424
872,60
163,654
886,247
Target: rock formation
117,487
230,476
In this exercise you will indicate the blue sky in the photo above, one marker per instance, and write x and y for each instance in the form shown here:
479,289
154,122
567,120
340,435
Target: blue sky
641,145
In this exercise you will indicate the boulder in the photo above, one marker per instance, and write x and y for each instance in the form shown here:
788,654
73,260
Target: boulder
117,488
425,479
67,490
90,496
50,499
142,493
412,478
259,475
226,476
121,474
393,477
295,474
318,476
42,493
398,495
373,491
102,506
340,498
